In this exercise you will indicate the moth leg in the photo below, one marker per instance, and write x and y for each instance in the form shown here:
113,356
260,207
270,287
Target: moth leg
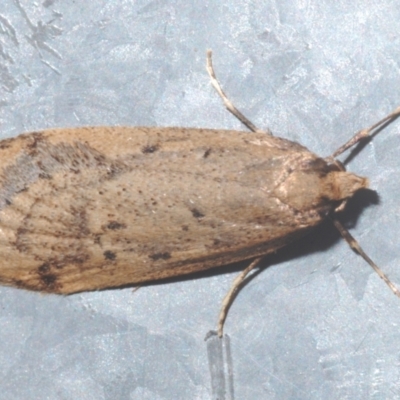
357,248
364,133
231,294
228,104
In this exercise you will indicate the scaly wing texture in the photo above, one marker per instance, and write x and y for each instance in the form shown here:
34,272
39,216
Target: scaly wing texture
90,208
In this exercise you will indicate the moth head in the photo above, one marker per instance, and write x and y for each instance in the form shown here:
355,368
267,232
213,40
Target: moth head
341,185
305,189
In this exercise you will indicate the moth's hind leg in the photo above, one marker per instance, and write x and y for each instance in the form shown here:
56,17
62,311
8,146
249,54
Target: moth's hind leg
226,303
228,104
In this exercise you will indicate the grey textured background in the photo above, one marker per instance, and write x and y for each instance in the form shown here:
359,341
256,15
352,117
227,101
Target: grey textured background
317,324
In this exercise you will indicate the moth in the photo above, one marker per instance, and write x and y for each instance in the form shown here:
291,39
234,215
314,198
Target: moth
101,207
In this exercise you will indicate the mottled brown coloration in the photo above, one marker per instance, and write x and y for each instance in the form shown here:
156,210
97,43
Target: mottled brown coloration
92,208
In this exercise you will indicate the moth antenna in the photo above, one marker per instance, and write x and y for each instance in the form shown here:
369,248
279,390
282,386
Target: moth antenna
357,248
231,294
228,104
364,133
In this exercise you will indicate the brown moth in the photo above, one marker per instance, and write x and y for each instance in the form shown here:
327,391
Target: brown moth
90,208
98,207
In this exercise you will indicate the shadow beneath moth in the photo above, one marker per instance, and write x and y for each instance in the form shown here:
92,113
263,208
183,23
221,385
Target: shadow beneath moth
100,207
